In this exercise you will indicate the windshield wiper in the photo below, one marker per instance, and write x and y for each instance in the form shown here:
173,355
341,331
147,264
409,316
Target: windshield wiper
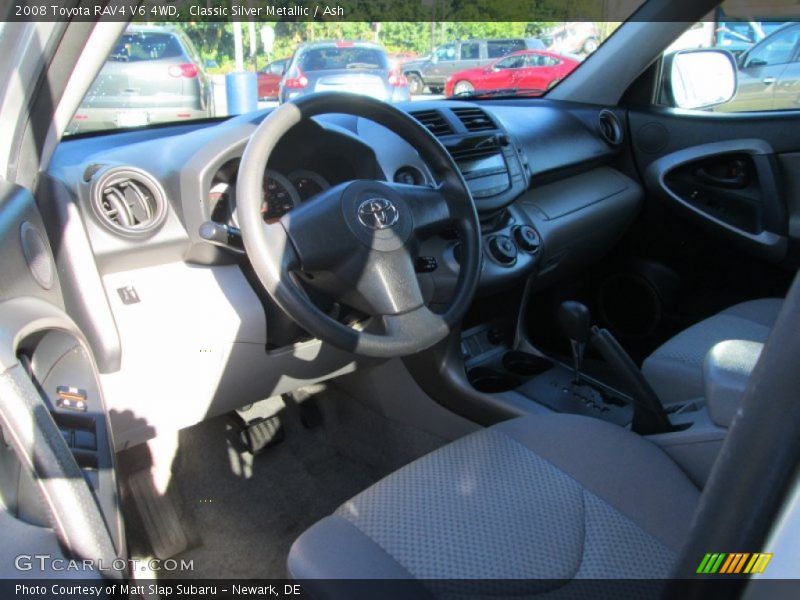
510,92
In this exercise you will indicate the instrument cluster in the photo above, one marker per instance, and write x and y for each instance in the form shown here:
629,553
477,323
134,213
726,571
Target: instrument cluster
280,193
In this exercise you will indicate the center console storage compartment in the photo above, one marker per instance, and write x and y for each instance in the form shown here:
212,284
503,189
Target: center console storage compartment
525,363
490,381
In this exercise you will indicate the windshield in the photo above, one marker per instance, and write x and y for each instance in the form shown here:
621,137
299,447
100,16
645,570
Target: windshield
333,58
184,70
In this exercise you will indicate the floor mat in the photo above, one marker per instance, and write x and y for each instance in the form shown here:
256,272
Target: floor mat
247,511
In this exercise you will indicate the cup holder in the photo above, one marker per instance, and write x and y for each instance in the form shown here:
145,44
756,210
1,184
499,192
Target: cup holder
525,364
490,381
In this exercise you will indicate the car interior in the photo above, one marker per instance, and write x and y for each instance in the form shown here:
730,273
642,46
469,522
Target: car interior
477,347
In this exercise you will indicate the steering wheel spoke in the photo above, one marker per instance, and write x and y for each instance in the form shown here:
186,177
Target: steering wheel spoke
386,284
414,325
318,232
429,207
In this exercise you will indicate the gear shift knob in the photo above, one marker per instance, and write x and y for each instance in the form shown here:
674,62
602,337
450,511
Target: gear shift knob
577,323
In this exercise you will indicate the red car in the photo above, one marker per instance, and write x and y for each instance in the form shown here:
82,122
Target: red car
526,69
270,77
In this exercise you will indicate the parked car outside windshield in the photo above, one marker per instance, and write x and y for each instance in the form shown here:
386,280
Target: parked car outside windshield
343,66
184,70
269,79
431,72
157,73
153,75
769,73
531,71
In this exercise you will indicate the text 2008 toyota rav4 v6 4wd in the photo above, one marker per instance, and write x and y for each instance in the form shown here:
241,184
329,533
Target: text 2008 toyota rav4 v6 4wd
528,340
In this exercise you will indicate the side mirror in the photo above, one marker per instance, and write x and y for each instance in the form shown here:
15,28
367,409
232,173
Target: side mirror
434,58
700,78
755,62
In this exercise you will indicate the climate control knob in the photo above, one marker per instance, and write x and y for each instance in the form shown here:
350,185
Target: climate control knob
502,249
527,238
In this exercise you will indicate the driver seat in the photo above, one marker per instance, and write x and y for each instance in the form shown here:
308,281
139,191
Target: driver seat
541,499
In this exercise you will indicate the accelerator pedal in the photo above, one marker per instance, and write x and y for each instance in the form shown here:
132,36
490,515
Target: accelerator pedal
261,433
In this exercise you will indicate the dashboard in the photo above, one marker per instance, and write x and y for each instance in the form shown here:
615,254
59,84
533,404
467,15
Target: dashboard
542,177
134,210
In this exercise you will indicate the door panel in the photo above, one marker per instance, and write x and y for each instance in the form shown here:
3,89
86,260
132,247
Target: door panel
536,77
58,489
687,258
729,186
470,54
725,173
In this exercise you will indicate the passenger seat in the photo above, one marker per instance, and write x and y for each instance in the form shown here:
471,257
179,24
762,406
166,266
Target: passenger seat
675,370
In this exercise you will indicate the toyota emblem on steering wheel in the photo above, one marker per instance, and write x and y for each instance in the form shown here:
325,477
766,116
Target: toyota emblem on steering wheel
377,213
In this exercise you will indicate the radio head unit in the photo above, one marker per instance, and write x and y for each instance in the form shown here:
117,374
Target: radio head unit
489,165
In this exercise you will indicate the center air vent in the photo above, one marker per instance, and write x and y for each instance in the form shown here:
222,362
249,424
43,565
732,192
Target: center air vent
128,201
610,128
434,121
474,119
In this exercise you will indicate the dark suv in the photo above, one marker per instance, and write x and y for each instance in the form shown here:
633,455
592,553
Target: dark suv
433,70
153,75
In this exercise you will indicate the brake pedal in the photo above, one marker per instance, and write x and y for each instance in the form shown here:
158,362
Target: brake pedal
261,433
310,414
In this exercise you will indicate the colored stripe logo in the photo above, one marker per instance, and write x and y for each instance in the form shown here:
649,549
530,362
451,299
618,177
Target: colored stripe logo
733,563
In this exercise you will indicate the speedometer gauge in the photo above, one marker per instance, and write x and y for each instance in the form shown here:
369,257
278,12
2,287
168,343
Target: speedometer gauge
219,202
279,196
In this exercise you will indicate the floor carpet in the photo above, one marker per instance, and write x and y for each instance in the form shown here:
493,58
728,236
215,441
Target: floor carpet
242,513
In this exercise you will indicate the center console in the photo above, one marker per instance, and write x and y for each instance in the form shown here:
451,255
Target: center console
493,165
496,171
490,165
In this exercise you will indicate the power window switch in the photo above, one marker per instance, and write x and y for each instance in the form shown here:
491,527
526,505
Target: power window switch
71,398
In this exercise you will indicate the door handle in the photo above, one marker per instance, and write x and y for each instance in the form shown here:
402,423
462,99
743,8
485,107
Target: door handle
738,179
769,80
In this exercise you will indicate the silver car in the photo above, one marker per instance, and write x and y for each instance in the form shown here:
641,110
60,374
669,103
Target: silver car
343,66
153,75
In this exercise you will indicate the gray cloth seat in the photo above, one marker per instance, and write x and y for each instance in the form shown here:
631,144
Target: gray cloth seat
522,505
675,370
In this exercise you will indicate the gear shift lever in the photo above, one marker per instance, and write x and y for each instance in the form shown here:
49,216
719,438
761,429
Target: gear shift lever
576,322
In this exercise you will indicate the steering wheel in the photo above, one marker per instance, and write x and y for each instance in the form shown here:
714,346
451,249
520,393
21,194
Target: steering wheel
357,241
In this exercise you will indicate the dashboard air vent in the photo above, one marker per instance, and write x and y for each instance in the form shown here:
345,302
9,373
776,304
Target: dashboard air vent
487,147
128,201
474,119
610,127
434,121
